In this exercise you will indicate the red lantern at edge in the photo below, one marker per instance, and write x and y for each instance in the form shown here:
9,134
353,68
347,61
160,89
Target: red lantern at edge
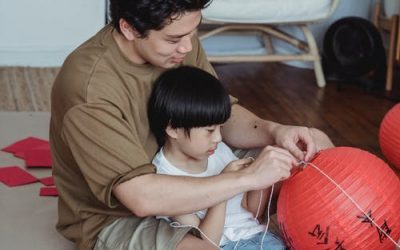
389,136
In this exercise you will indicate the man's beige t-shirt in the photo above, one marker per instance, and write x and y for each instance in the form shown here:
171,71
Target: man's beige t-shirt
99,132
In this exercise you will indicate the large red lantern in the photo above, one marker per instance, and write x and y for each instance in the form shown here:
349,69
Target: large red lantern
389,136
315,213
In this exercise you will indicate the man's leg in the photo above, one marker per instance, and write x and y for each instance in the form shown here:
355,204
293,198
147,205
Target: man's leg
145,233
191,242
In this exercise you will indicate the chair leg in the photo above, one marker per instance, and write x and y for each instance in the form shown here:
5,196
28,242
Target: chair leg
397,47
391,52
313,50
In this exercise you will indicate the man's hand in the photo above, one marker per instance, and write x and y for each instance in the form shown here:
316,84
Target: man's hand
302,142
272,165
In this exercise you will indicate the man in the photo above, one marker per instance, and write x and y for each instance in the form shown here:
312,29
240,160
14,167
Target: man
102,145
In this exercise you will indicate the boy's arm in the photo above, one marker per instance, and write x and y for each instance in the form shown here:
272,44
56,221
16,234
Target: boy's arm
254,202
212,225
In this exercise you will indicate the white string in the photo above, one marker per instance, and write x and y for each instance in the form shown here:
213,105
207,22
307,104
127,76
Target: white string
353,201
178,225
268,216
259,204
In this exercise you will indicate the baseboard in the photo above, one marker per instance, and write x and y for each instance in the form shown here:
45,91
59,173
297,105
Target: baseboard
34,56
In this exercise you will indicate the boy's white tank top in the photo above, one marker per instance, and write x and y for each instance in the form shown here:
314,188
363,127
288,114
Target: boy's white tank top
239,223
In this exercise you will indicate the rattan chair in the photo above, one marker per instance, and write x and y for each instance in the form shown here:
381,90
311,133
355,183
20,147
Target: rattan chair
265,19
388,24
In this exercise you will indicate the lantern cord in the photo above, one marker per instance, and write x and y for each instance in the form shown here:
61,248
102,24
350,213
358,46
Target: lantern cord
353,201
178,225
268,214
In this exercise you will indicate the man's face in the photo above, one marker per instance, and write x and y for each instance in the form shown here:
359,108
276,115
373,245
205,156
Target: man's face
168,47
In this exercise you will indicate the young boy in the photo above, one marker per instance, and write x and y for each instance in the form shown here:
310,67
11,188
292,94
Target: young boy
187,110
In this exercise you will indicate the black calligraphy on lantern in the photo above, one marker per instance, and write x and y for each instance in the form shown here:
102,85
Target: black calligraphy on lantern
320,234
383,231
385,228
366,219
339,245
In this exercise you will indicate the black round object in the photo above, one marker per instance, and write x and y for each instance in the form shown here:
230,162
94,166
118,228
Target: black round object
352,47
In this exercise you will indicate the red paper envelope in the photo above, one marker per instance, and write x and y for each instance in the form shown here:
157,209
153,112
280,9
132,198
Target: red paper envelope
48,181
18,148
38,158
48,191
15,176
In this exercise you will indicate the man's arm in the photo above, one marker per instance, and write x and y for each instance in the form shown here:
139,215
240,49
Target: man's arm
153,194
246,130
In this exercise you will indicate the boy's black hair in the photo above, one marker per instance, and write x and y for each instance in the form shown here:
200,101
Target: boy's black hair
146,15
186,97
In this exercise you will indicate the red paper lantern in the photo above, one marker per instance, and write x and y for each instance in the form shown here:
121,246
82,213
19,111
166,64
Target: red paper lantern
313,213
389,136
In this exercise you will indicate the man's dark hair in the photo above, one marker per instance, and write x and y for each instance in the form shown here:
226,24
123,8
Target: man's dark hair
186,97
146,15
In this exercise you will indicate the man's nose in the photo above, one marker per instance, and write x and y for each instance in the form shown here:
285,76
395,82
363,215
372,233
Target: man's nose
186,45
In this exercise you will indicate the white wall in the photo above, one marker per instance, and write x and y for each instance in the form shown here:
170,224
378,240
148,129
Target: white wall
43,32
391,7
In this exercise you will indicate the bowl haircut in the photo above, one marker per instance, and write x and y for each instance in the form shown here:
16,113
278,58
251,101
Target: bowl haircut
186,97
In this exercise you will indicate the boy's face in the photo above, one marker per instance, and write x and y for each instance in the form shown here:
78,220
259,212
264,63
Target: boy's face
201,143
168,47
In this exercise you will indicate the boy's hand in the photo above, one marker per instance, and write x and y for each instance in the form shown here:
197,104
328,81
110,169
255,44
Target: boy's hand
237,165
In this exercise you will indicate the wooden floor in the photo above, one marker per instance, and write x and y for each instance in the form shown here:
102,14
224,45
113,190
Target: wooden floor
351,116
274,91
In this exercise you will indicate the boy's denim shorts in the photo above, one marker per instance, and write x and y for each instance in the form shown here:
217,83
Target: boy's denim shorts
270,242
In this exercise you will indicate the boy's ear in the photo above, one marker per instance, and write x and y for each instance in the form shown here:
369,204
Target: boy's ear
171,132
127,30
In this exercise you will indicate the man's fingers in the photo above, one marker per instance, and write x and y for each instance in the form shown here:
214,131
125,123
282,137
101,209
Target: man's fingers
296,151
311,150
281,154
287,154
311,147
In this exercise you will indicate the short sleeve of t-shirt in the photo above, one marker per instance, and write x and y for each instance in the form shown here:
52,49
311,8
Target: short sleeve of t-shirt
105,147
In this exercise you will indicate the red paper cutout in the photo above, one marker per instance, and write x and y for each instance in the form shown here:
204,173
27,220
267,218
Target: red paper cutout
15,176
48,191
20,147
38,158
48,181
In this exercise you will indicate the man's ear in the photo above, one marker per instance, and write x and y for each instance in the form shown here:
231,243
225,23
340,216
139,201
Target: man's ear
171,132
127,30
